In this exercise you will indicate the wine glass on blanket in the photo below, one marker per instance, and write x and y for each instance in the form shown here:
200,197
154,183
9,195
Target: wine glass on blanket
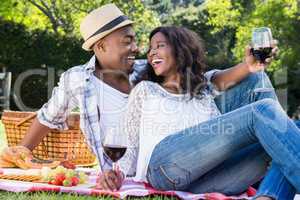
115,145
261,43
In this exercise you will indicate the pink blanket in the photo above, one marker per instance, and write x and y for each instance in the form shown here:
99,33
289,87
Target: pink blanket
129,188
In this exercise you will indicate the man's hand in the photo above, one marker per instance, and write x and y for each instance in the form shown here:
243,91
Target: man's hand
253,64
110,180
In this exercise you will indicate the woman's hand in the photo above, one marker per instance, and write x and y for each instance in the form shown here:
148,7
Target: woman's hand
253,64
228,78
110,180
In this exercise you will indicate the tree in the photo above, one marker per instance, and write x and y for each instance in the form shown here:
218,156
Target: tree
218,44
63,17
282,16
163,8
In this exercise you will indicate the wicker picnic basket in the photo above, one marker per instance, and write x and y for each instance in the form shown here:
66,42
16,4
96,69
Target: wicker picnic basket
57,145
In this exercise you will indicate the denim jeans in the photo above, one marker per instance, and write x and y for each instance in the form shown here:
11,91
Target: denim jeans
276,186
225,154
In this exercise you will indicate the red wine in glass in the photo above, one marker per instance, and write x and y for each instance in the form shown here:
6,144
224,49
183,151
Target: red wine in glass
261,43
261,54
114,152
115,145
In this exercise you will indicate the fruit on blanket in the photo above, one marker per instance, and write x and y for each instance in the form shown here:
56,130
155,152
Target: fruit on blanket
60,169
82,177
46,173
70,173
62,176
75,180
67,183
54,182
68,164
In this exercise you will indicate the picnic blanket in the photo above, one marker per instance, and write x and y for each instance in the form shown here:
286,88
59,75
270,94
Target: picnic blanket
129,188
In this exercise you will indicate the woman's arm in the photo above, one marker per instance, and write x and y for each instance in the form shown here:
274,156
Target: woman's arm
227,78
131,128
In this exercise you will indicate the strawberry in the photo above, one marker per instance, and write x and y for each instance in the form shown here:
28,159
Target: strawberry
75,180
68,164
59,178
55,182
51,182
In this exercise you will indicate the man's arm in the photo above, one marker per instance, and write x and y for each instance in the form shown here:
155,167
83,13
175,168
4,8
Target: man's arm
52,115
34,135
227,78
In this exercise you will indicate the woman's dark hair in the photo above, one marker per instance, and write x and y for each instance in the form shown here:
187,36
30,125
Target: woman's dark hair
188,51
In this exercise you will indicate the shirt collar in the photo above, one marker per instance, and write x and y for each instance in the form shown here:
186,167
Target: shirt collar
90,66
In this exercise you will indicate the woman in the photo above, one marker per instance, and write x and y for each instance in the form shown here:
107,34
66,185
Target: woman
184,139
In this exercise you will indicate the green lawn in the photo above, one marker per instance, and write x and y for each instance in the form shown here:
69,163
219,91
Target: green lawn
46,195
52,196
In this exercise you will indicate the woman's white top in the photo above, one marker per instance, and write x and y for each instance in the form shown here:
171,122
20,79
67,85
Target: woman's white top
154,113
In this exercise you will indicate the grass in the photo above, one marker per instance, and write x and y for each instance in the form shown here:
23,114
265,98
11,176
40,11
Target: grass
44,196
47,195
54,196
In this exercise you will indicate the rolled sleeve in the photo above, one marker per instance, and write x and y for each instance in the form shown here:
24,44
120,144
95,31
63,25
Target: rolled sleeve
212,88
53,114
139,70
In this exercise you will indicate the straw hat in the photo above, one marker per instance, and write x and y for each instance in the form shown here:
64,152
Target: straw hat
101,22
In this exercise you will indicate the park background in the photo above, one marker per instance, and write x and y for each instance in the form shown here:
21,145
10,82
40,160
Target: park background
40,39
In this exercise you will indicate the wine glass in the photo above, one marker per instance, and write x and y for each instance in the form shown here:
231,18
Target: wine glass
114,145
261,43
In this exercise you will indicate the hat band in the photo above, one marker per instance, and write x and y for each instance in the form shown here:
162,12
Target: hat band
110,25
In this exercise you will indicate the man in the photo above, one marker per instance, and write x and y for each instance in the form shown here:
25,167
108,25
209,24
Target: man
110,35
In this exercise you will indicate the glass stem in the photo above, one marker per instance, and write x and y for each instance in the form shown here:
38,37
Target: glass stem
114,166
262,78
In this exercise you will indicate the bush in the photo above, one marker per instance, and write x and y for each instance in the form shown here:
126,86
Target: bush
22,50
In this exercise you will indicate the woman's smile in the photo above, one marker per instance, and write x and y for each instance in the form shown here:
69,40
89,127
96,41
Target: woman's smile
156,63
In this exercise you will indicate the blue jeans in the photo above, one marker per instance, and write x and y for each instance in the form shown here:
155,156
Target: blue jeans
215,160
275,185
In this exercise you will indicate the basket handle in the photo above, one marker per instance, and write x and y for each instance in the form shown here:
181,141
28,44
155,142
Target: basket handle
26,119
